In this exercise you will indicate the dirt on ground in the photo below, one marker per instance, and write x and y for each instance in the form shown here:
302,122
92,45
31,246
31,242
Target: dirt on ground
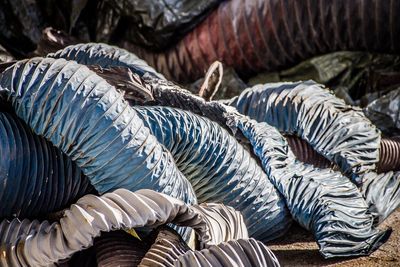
298,248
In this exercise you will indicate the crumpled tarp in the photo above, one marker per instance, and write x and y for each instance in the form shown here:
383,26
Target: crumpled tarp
321,200
340,132
34,243
157,24
35,177
350,74
67,104
384,112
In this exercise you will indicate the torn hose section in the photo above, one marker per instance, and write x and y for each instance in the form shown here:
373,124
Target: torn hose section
34,243
253,36
36,177
219,168
105,55
339,132
67,104
321,200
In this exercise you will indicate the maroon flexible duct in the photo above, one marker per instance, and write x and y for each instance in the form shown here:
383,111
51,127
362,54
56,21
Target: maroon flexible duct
259,35
389,153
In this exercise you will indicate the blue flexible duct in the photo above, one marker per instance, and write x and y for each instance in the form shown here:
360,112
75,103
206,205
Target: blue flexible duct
88,120
178,132
105,55
219,168
36,177
339,132
321,200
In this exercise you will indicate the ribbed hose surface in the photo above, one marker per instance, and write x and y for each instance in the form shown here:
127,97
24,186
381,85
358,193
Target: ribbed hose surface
306,153
219,168
164,92
87,119
322,201
339,132
241,253
102,55
35,177
31,243
253,36
118,248
389,154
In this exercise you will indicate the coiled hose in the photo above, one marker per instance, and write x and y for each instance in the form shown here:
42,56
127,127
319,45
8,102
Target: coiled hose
36,178
322,201
34,243
339,132
209,158
219,168
267,35
87,119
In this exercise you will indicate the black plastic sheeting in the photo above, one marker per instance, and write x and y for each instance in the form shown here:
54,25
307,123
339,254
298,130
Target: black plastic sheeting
59,100
157,24
339,132
384,112
219,168
352,75
35,177
321,200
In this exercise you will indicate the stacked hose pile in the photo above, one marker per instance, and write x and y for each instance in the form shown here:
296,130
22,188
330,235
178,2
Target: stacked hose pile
70,131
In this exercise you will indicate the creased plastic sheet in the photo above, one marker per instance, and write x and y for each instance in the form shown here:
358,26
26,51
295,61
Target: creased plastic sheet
86,118
321,200
385,112
44,243
157,24
219,168
35,177
341,133
350,74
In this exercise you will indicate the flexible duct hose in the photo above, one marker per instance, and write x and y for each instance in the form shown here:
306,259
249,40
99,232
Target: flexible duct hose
322,201
87,119
267,35
34,243
36,177
219,168
337,131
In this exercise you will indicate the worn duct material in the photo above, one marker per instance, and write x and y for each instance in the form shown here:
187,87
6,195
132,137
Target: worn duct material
105,55
165,93
35,177
67,104
34,243
339,132
254,36
219,168
382,193
322,201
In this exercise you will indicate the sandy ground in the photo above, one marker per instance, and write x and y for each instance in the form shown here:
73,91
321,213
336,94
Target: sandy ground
297,248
